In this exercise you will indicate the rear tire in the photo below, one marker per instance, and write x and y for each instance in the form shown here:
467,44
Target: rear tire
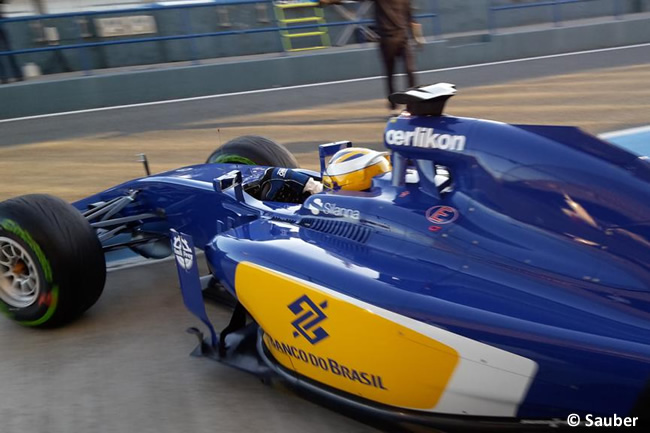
253,150
52,266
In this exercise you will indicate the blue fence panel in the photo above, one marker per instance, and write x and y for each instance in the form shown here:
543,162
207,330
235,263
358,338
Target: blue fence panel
555,5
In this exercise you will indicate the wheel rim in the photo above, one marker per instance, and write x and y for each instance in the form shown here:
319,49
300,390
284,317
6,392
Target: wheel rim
19,281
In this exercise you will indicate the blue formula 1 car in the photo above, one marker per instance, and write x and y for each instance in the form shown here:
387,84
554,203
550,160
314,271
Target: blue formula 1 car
498,277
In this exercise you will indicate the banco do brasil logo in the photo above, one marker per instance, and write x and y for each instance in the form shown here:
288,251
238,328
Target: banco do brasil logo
310,315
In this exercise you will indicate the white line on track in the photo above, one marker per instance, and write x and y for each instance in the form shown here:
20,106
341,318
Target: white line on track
328,83
625,132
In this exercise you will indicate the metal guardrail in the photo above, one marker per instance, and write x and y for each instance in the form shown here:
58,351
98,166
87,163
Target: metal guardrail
555,4
83,46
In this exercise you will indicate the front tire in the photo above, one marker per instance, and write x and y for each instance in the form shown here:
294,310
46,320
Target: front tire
52,266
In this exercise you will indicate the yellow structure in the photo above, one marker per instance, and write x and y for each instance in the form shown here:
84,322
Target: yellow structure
292,14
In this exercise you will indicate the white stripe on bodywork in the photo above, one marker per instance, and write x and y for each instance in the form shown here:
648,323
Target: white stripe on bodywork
486,382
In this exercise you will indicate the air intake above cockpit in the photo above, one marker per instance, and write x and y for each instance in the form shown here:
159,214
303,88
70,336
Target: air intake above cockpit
426,100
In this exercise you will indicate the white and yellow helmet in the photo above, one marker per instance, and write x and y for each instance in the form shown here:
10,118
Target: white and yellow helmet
352,169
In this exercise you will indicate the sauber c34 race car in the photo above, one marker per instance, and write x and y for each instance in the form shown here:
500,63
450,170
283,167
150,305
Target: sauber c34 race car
497,278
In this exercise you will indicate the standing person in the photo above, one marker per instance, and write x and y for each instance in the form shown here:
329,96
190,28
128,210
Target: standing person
4,46
394,24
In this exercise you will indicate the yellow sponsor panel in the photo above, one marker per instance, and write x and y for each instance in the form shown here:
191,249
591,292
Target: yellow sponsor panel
323,336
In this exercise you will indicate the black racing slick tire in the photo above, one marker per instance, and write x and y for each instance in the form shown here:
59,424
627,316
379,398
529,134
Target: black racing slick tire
253,150
52,267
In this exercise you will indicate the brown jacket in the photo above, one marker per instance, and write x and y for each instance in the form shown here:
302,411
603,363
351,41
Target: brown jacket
394,17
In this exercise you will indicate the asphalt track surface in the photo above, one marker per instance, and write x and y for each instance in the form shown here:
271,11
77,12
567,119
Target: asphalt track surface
124,367
175,115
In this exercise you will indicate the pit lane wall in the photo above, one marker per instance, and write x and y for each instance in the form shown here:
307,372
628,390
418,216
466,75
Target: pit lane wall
273,70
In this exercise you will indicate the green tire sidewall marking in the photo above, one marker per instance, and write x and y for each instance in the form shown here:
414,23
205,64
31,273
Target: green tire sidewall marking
50,310
233,159
13,227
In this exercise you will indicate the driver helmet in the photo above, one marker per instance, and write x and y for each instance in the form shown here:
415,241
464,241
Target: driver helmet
353,168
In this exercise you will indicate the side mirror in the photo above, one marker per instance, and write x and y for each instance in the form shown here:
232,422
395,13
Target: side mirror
229,180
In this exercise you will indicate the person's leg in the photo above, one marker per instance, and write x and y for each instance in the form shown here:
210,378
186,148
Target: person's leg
406,54
409,63
387,47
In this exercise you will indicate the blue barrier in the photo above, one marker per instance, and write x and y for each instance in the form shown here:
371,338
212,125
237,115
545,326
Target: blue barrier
555,4
187,24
